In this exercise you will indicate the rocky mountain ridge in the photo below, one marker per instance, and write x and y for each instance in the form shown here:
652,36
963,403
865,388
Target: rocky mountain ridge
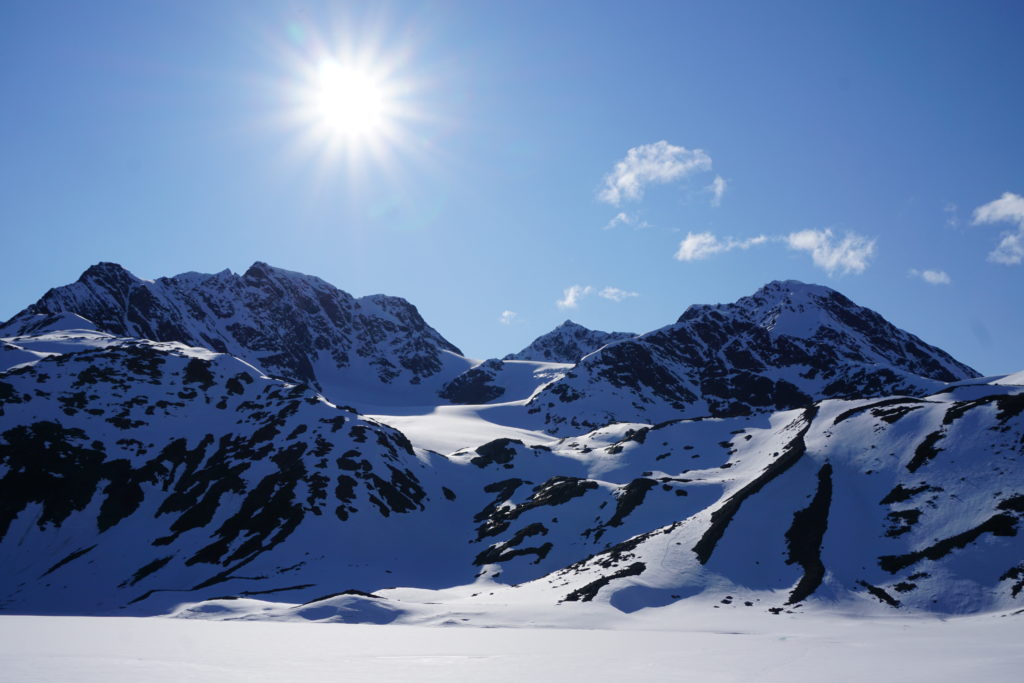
288,324
788,345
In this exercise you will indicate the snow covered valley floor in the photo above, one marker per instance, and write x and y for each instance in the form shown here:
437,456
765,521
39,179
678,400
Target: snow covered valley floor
660,646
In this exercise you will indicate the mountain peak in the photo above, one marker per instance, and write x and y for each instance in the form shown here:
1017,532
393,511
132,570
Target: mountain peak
791,290
567,343
260,270
108,272
791,308
777,294
257,269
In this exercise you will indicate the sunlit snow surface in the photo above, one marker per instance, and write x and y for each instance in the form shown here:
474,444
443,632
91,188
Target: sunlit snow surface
668,646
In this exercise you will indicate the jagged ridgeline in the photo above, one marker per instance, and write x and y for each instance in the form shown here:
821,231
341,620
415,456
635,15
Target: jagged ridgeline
786,346
204,436
288,324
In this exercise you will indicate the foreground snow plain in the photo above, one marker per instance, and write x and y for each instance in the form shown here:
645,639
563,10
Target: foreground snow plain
674,645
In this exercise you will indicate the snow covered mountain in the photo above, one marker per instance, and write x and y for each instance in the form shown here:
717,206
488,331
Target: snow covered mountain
133,468
788,345
567,343
912,502
138,474
287,324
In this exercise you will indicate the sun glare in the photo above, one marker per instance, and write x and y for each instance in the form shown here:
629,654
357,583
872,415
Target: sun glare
350,102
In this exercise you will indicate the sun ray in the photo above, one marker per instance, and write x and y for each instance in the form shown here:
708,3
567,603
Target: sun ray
359,107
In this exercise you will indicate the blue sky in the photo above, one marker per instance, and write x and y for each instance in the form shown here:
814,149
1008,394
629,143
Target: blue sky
876,148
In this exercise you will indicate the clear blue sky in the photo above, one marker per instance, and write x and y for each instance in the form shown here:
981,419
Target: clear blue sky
178,136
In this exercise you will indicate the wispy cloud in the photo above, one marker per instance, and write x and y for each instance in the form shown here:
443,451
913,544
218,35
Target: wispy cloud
849,255
700,245
508,317
615,294
623,218
659,162
932,277
572,295
1007,209
717,189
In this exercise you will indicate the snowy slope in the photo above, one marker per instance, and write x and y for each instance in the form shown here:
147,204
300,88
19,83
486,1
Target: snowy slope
287,324
138,471
168,473
786,346
916,503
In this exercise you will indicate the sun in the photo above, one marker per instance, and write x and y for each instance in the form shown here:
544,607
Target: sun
351,105
350,102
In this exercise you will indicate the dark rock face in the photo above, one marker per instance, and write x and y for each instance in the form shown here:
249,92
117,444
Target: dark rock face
805,535
567,343
788,345
474,386
287,324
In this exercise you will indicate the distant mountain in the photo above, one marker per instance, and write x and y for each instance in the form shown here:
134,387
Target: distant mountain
288,324
567,343
788,345
494,381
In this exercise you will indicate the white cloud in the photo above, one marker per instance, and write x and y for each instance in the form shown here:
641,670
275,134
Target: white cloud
1007,209
700,245
697,246
850,255
508,317
717,189
615,294
572,295
1010,250
659,162
932,277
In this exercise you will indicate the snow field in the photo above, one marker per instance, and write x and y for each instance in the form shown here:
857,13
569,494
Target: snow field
696,648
